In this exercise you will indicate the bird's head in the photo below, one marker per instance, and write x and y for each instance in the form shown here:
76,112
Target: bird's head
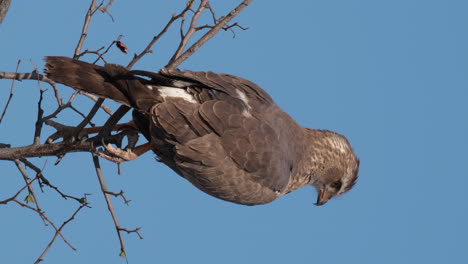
335,182
336,166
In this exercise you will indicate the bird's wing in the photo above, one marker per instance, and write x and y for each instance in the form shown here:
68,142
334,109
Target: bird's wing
250,143
256,148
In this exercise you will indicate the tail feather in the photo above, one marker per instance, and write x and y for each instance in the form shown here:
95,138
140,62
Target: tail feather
87,77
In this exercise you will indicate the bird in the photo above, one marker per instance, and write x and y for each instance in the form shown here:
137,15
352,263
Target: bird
222,133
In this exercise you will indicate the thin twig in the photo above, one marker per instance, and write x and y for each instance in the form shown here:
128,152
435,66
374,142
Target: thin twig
28,76
173,64
100,55
104,9
14,198
95,99
84,31
58,232
48,221
157,37
110,207
191,30
119,194
80,114
39,175
90,115
11,93
43,180
30,188
113,120
136,230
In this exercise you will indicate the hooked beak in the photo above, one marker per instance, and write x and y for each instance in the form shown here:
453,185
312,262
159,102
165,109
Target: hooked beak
323,196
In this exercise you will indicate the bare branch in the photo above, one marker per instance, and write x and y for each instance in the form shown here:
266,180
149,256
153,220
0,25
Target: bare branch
14,198
173,64
30,188
119,194
55,149
113,120
157,37
48,221
58,232
191,30
136,230
84,31
104,9
90,115
95,99
27,76
110,207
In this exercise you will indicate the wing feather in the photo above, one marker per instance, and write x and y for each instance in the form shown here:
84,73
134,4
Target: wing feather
216,143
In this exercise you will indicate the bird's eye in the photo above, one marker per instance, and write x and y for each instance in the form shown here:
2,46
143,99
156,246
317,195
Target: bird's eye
336,185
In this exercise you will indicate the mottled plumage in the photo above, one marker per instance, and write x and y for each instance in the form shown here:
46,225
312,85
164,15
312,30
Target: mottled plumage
222,133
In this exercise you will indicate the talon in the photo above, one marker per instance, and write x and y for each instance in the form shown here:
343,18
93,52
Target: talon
116,154
106,155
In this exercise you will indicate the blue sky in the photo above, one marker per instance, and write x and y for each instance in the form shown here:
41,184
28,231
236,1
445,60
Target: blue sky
390,75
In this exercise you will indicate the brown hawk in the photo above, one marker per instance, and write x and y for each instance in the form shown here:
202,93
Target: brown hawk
222,133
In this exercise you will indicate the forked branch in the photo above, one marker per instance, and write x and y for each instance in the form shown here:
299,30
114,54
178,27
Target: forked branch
176,61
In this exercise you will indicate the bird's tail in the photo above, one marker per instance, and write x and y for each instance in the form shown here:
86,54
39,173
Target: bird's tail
94,79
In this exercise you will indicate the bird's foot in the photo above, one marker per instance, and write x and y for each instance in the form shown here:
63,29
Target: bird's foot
118,155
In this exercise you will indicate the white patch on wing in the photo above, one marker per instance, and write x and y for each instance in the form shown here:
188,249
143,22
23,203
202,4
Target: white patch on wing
165,92
244,99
